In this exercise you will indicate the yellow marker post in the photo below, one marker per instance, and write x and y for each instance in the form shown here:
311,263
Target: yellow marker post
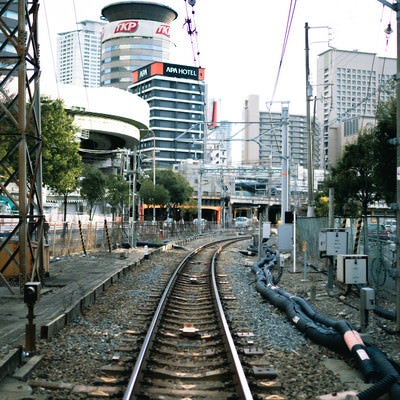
304,250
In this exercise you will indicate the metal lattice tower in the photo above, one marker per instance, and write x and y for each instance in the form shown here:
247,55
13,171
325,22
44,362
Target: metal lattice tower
20,142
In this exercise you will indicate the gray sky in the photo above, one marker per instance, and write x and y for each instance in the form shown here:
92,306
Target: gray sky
241,43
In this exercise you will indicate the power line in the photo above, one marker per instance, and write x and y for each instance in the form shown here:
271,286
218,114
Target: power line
285,40
51,46
191,29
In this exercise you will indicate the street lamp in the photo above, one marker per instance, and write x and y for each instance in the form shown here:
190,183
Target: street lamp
310,206
310,129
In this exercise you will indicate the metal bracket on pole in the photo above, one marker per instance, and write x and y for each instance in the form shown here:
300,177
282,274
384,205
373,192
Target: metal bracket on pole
393,6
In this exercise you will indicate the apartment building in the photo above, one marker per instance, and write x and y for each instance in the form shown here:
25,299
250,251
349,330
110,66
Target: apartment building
79,54
263,137
350,85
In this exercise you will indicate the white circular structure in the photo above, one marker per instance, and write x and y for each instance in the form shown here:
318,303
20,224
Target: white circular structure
109,118
137,33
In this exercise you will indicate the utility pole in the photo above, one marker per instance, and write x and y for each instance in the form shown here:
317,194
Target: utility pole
285,169
199,200
310,147
396,7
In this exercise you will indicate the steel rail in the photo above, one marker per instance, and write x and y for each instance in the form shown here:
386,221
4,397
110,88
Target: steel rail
240,375
148,341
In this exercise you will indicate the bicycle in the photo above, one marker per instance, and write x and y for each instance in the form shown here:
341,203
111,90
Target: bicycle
382,266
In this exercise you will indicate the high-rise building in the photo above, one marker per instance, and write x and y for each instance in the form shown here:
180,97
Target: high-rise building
135,52
263,133
78,55
136,56
219,147
137,34
350,85
176,96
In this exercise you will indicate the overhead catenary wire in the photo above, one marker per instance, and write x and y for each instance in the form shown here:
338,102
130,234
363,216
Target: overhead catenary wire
289,21
190,24
51,46
285,41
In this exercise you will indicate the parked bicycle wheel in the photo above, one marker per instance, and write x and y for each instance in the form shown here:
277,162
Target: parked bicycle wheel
378,271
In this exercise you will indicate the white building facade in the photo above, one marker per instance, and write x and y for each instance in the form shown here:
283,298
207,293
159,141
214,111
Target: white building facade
350,85
137,33
263,137
79,54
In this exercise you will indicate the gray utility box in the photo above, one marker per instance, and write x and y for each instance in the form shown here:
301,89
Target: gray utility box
352,268
367,298
333,242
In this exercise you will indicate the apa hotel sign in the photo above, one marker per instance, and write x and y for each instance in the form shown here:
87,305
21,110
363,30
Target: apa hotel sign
181,71
166,69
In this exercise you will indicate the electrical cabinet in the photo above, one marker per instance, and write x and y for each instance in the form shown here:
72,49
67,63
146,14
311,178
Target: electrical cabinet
333,242
352,268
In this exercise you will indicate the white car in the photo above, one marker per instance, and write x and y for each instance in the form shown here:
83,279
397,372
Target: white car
168,222
390,225
242,222
203,222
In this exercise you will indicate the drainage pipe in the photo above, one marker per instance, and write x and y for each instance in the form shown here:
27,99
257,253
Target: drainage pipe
390,383
387,314
335,335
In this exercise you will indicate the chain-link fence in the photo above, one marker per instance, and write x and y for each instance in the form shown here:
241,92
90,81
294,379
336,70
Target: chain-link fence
76,237
372,236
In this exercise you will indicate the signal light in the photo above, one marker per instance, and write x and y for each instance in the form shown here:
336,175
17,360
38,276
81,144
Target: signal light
31,292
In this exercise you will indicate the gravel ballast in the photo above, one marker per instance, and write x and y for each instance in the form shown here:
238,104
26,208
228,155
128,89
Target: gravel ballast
304,369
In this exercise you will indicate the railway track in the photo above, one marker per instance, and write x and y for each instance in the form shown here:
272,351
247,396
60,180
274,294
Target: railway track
96,355
188,351
173,341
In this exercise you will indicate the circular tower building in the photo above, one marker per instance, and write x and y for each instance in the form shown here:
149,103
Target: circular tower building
138,33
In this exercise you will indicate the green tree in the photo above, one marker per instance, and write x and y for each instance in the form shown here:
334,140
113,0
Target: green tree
353,178
93,189
61,163
179,189
384,152
152,194
117,193
321,204
9,134
192,210
8,140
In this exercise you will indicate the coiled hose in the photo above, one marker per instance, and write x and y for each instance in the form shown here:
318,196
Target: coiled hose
335,335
